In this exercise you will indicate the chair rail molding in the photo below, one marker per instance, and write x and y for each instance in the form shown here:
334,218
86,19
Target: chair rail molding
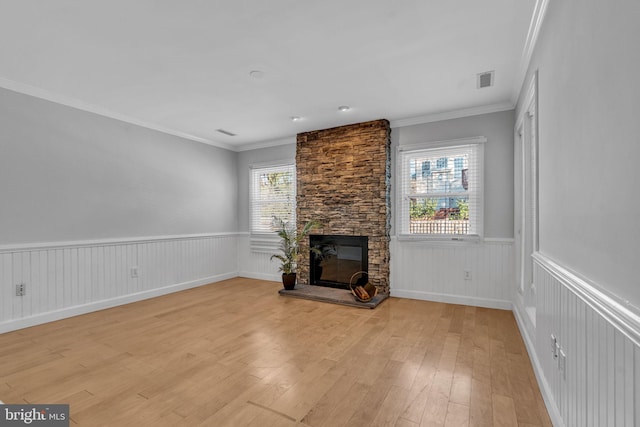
621,314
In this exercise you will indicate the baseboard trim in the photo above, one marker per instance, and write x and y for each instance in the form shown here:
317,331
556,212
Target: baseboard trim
260,276
552,408
51,316
452,299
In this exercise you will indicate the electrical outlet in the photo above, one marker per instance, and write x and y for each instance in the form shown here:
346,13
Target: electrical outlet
134,272
21,289
467,275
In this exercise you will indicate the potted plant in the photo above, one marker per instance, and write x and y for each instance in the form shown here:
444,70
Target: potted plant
290,247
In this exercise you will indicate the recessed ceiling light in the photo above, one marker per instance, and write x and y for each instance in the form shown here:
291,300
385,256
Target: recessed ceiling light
256,74
295,118
344,108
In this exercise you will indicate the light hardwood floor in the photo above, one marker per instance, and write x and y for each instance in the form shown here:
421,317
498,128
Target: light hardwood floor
235,353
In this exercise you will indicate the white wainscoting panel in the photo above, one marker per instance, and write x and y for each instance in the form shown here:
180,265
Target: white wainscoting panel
601,340
70,278
255,261
435,271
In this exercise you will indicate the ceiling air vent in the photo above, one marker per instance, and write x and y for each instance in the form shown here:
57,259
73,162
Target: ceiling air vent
485,79
226,132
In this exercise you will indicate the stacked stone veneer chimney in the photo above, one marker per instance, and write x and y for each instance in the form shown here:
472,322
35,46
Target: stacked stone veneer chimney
343,182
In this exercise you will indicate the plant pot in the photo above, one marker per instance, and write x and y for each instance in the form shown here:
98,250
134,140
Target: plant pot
289,281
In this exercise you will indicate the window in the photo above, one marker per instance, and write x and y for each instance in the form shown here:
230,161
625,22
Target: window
273,193
445,200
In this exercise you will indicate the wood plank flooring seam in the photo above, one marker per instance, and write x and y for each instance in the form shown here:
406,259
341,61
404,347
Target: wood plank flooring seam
266,408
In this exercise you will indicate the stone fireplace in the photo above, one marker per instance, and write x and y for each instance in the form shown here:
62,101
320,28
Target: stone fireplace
343,179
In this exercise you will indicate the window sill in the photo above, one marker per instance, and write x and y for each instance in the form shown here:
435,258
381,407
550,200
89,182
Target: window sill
439,239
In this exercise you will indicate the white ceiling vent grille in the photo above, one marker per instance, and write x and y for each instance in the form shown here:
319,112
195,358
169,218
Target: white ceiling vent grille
226,132
485,79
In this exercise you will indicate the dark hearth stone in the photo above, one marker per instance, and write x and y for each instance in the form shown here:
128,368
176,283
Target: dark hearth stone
331,295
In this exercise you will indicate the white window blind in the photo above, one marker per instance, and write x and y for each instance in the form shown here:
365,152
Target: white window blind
273,193
441,189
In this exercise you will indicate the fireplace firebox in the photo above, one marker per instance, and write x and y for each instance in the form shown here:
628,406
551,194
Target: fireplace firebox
339,259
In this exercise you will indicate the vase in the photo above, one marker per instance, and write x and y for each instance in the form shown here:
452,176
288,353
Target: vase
289,281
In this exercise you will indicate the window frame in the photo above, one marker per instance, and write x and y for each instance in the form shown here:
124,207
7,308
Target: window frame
263,240
403,174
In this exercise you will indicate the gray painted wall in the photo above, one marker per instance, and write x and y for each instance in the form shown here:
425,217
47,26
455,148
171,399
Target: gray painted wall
588,96
67,174
248,158
498,161
497,127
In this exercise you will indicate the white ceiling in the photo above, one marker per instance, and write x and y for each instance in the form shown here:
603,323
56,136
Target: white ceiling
183,66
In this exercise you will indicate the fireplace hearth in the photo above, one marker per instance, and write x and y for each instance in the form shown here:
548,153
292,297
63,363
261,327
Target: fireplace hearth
340,259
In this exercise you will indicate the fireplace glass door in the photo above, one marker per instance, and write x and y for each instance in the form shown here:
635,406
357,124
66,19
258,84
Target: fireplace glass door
340,258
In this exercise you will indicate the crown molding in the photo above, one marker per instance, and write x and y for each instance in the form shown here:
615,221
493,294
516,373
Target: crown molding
455,114
68,101
539,12
429,118
266,144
